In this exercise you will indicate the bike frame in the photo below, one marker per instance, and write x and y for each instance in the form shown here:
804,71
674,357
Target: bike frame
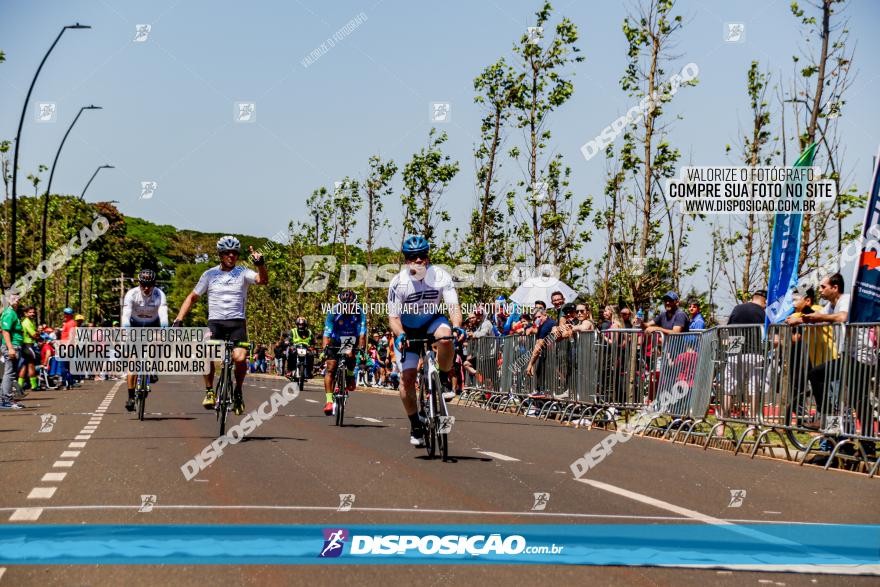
431,402
340,391
225,386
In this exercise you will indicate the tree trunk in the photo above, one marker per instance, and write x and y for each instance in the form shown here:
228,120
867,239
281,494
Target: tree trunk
649,132
533,166
814,119
487,189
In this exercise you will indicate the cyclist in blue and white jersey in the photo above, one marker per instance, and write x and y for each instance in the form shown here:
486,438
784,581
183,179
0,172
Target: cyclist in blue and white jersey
143,306
414,298
346,328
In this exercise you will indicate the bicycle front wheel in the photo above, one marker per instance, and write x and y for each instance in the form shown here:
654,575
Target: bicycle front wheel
140,401
223,400
426,408
439,406
340,409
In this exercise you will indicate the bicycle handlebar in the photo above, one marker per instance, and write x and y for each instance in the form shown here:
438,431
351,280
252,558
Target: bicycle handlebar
430,339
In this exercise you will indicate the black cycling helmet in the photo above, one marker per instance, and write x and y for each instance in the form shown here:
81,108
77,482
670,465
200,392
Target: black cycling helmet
415,244
347,296
147,277
302,323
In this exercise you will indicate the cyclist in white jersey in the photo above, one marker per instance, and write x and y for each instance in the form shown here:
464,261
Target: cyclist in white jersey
143,306
414,298
227,285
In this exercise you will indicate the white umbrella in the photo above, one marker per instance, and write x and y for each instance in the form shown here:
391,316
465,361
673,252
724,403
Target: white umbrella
540,288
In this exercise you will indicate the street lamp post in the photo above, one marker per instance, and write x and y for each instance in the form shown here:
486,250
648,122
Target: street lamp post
14,212
82,255
83,194
46,203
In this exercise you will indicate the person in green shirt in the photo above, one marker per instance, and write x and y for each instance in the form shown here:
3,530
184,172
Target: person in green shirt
28,355
13,337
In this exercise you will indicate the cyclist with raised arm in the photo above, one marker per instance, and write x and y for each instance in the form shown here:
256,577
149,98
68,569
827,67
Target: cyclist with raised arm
227,286
346,329
143,306
414,311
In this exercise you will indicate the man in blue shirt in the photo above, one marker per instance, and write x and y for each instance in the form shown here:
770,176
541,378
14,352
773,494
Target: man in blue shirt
502,321
697,322
672,320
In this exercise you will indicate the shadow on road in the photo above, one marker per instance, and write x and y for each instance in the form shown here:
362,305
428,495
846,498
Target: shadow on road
453,459
252,438
365,426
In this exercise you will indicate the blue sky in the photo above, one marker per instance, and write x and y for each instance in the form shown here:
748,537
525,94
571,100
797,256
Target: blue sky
169,101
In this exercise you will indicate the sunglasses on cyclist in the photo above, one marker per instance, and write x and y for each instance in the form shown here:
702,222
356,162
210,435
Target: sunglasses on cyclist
416,256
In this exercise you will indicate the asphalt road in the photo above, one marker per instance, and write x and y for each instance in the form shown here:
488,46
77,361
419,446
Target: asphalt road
97,461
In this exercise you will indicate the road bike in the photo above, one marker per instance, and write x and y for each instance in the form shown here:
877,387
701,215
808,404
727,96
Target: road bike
431,403
141,390
225,386
340,380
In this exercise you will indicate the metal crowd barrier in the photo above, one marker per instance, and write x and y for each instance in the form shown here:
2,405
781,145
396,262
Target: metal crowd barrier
620,374
812,387
738,384
684,385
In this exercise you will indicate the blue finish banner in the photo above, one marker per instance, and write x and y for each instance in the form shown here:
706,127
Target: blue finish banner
784,254
865,305
726,545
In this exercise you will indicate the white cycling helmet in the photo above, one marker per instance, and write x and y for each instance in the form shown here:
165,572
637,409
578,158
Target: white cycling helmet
228,243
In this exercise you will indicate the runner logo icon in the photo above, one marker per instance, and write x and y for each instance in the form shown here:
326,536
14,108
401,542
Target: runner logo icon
334,541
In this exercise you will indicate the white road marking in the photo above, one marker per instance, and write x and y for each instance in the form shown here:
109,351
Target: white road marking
414,509
663,505
312,401
88,429
77,445
42,492
25,515
811,569
496,455
692,514
82,437
369,419
70,454
63,464
54,477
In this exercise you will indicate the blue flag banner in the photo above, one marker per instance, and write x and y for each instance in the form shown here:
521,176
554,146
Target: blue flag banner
784,254
816,547
865,305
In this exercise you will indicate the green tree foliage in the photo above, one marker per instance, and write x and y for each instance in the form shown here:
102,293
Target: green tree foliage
544,86
425,178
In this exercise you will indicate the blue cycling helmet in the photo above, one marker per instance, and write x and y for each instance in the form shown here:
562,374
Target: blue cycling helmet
415,244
